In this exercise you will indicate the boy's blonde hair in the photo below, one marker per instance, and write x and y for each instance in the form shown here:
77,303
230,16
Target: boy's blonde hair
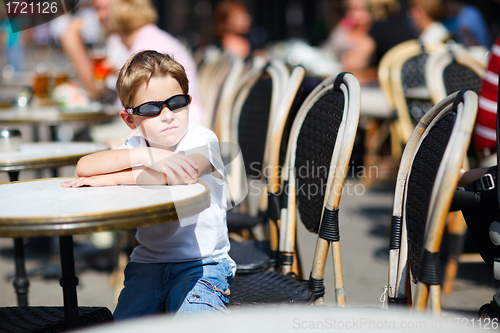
141,67
129,15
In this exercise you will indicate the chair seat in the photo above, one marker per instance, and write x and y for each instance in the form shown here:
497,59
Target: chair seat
238,221
45,319
250,256
268,288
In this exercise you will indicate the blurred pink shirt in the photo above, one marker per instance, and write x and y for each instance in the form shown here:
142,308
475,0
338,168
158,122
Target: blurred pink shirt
150,37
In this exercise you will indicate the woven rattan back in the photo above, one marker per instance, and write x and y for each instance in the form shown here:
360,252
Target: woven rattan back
458,76
450,70
315,142
419,185
253,125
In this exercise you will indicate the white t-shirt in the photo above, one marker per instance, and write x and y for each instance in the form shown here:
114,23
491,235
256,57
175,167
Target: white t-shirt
196,237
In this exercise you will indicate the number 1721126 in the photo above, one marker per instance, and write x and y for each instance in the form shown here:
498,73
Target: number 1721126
33,8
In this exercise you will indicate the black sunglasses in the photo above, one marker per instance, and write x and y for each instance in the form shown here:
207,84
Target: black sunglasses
153,108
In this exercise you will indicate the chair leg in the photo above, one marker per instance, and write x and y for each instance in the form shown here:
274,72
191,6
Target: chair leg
456,228
435,299
296,266
318,270
339,279
421,296
396,142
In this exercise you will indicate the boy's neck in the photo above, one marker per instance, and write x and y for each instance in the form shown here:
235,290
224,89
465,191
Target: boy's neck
155,145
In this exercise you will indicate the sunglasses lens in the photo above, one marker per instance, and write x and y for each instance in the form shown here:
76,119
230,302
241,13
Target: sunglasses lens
149,110
177,102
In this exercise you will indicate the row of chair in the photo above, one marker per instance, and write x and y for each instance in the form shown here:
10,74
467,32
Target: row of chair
279,132
323,130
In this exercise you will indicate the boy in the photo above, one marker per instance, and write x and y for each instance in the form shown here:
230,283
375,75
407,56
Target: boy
181,266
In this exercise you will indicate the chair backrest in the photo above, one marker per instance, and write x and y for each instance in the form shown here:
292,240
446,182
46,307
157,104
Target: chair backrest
217,68
408,83
452,69
427,179
318,155
254,110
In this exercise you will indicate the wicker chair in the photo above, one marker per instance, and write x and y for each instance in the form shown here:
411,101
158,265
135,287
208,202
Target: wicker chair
449,70
409,85
452,69
402,80
45,319
426,182
321,140
256,112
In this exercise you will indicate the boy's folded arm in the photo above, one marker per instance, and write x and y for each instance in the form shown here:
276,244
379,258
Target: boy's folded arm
104,162
109,161
204,165
134,176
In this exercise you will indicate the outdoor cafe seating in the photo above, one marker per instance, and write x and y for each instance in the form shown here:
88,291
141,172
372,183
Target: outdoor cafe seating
303,139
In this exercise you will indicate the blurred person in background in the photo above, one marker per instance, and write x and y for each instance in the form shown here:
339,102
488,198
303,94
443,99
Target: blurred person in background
135,22
351,44
390,26
12,44
425,16
232,23
466,23
73,44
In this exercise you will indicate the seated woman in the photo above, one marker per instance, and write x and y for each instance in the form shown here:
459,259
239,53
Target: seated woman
425,16
231,27
352,45
135,22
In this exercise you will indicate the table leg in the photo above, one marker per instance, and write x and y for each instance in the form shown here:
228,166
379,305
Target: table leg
53,137
21,283
69,281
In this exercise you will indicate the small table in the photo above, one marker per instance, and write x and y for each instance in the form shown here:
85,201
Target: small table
43,208
42,155
51,116
36,156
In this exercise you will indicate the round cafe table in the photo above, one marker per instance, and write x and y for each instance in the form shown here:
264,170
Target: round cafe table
43,208
42,155
36,156
51,115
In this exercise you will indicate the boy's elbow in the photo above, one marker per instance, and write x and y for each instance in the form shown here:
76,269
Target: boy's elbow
81,170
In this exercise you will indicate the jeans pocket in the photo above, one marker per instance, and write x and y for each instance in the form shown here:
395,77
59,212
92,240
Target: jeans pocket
205,298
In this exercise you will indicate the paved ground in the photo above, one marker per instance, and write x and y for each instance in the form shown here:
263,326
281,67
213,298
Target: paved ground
364,219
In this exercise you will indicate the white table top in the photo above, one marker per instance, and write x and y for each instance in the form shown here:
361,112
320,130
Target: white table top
44,208
50,115
38,155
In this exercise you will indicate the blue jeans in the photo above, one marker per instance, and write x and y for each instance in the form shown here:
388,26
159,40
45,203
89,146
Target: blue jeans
195,287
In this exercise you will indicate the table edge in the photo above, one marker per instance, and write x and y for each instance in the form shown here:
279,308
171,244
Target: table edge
89,223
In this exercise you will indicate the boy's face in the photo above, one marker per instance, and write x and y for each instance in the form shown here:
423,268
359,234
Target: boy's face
168,128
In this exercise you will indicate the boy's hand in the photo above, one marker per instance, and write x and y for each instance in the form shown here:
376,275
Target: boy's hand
94,181
179,168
